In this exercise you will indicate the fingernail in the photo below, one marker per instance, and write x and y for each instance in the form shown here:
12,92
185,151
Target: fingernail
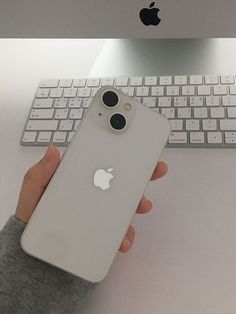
48,154
149,203
127,243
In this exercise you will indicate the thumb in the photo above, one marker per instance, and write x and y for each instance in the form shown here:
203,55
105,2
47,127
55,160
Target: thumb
35,182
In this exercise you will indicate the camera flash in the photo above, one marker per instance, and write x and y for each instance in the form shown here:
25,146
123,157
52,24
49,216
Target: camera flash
127,106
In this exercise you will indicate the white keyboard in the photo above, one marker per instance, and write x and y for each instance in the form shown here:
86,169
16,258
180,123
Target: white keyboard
201,108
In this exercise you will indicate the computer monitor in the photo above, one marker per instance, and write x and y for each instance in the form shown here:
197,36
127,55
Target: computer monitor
117,18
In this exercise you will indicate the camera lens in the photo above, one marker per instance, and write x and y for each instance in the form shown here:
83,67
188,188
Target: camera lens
110,99
118,121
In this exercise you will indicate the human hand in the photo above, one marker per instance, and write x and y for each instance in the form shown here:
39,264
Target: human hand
38,176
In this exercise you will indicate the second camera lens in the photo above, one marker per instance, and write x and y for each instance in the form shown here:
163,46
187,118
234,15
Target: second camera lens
110,99
118,121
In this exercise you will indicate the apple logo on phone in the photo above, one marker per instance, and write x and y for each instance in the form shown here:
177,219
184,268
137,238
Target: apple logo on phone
102,178
149,16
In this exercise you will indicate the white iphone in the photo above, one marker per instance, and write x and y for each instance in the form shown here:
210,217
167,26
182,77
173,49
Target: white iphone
83,215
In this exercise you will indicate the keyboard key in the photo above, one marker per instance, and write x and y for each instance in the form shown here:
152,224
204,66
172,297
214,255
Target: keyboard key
184,113
165,80
178,137
60,103
48,83
149,101
107,81
188,90
169,113
70,136
142,91
43,103
44,137
29,137
217,112
204,90
94,91
42,93
76,113
232,89
41,113
66,125
227,79
93,82
157,91
196,101
197,138
200,113
230,137
150,80
211,79
212,101
228,125
65,83
177,125
214,138
86,102
219,90
192,125
121,81
172,90
180,101
128,90
61,113
42,125
136,81
79,82
230,140
59,137
229,100
70,92
231,112
77,122
75,103
196,80
164,102
180,80
209,125
56,92
84,92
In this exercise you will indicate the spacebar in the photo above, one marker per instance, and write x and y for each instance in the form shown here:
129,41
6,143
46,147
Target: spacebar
228,125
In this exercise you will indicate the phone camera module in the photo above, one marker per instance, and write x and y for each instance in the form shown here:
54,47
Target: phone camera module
110,99
118,121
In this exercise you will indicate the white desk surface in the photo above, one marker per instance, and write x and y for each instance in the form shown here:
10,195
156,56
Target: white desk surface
183,260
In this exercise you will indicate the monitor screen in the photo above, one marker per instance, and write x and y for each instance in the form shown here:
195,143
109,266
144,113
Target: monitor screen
117,18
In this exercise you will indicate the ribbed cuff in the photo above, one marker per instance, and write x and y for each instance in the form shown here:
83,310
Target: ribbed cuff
28,285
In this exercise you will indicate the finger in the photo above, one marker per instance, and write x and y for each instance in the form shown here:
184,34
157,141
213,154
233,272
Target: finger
144,206
128,240
35,182
160,170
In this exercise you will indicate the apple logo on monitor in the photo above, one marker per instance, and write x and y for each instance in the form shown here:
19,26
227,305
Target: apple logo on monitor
149,16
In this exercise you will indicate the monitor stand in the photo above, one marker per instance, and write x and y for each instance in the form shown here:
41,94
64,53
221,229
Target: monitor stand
165,57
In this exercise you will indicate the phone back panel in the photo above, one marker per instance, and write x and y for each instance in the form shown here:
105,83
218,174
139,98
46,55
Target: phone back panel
77,226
